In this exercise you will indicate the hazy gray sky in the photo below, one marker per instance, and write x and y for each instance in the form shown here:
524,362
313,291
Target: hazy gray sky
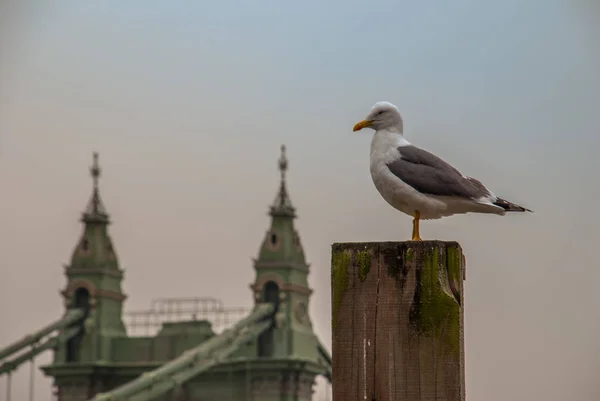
188,103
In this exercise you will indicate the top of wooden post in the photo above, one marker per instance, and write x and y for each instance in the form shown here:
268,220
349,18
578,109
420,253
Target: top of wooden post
397,321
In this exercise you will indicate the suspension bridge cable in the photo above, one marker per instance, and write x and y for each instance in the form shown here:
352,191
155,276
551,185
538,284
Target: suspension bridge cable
32,376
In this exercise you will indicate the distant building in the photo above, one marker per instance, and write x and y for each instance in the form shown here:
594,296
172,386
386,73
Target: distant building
267,353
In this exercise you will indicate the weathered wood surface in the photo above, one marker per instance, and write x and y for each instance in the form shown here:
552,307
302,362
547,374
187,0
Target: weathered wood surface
397,320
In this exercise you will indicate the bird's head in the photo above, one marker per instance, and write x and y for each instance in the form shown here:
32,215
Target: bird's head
383,115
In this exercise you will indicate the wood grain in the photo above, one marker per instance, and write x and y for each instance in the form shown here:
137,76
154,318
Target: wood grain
398,321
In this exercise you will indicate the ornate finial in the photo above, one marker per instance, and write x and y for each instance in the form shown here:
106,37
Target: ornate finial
283,204
95,210
283,162
95,170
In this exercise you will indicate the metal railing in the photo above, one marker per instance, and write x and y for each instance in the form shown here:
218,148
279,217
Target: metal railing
170,310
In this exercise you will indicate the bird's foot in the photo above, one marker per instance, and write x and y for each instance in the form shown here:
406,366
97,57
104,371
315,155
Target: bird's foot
415,233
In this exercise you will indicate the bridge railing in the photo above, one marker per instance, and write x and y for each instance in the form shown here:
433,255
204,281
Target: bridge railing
171,310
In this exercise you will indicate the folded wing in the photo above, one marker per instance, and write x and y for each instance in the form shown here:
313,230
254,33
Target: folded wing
430,175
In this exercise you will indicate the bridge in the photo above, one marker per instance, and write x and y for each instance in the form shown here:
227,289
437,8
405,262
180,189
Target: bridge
189,348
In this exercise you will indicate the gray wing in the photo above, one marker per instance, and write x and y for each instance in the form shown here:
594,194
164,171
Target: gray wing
430,175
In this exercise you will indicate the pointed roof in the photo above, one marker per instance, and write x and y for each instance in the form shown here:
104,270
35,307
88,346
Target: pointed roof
95,212
282,206
95,248
281,244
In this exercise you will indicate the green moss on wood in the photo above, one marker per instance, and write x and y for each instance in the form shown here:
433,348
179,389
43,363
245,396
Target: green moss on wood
454,262
340,265
438,312
363,260
410,255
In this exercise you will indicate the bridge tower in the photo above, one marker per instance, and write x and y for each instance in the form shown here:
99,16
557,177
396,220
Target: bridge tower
290,346
93,284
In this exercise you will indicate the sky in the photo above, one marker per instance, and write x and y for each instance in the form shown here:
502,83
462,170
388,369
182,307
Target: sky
188,103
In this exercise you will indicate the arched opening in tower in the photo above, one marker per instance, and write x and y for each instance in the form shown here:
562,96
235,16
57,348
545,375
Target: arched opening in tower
271,293
81,300
266,339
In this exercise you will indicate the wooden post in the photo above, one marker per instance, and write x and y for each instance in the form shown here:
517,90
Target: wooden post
397,321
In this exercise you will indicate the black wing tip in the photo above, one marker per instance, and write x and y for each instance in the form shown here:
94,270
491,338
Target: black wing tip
511,207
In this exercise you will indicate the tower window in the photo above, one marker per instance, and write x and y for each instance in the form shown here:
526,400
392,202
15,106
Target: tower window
272,240
81,298
85,244
271,293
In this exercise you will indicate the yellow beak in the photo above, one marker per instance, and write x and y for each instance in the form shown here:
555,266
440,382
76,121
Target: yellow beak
361,125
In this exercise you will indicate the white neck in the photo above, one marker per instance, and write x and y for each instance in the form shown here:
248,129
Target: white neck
391,136
385,143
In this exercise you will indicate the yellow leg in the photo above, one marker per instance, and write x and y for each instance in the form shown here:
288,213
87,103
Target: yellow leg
415,234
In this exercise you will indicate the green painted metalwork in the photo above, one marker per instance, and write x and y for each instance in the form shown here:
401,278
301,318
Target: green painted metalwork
190,372
71,317
194,361
281,264
271,354
324,353
52,343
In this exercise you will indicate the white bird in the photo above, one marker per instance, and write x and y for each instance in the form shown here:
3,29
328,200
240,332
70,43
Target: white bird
419,183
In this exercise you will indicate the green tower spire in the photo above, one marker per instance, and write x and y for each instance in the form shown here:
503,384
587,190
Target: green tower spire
282,244
93,285
94,281
282,279
282,206
95,249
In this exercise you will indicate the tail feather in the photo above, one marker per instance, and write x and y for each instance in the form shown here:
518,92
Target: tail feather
510,207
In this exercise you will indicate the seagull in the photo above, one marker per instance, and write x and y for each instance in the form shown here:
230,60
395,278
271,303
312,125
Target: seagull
419,183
